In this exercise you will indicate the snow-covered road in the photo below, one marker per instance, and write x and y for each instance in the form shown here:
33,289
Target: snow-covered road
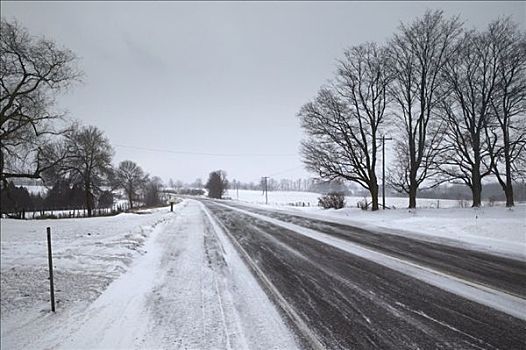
499,273
347,295
189,290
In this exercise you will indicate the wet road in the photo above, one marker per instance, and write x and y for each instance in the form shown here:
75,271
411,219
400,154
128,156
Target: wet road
337,300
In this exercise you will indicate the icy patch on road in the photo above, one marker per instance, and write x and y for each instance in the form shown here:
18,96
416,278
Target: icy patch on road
504,302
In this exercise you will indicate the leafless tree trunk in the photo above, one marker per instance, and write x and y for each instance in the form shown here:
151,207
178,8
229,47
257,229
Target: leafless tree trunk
343,122
418,54
32,72
471,78
509,106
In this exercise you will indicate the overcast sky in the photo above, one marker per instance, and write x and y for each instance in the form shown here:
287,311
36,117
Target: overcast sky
222,81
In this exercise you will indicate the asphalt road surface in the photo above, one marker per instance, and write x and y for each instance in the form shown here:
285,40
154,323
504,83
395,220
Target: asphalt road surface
499,273
337,300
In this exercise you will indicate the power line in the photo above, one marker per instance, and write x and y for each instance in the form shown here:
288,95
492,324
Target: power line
208,153
286,170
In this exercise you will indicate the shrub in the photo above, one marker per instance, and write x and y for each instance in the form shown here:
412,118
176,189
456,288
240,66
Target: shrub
491,201
334,200
363,204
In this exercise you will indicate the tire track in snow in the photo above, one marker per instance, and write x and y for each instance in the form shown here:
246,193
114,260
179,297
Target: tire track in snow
298,322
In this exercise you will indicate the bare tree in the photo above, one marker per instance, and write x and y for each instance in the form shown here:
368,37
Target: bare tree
217,184
32,72
88,161
131,178
418,54
509,106
152,190
198,183
471,78
343,122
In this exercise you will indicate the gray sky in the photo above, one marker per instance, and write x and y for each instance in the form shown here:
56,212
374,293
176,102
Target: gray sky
215,77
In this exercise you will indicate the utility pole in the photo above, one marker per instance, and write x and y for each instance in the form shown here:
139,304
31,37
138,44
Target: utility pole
266,189
383,169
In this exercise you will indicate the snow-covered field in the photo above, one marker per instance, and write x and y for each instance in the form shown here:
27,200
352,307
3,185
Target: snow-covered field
88,254
310,199
497,230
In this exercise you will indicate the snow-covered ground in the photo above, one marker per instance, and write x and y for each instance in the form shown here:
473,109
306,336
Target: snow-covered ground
497,230
152,280
161,280
88,254
99,249
310,199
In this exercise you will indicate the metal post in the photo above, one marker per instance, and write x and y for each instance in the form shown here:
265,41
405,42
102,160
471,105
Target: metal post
50,260
171,206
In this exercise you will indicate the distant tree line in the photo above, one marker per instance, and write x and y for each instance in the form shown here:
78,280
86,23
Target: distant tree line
17,200
453,100
300,185
490,192
36,141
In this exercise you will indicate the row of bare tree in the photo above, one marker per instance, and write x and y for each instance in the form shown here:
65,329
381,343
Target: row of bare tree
36,141
453,99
